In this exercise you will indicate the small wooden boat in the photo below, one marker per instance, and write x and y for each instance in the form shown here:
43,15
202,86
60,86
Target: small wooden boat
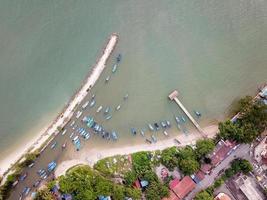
107,110
156,126
114,135
92,103
99,109
168,123
93,96
64,132
148,141
154,139
165,133
108,117
107,79
150,127
54,145
142,132
114,68
118,107
64,145
177,141
126,96
85,104
177,119
183,119
163,124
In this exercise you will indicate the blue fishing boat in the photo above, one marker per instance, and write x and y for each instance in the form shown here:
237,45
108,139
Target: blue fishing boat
87,136
108,117
198,114
51,166
154,139
183,119
133,130
114,135
118,58
156,126
114,68
92,103
150,127
177,119
54,145
163,124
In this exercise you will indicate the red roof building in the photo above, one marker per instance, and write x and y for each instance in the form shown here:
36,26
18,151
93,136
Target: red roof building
136,184
184,187
173,183
205,168
200,175
222,150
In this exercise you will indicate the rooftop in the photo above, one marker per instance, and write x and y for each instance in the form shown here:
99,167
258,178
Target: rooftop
185,186
222,196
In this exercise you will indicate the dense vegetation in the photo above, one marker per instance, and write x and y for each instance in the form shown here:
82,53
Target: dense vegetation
237,166
84,183
249,125
187,159
5,189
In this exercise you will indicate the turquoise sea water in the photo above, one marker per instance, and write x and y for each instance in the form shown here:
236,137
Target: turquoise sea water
213,52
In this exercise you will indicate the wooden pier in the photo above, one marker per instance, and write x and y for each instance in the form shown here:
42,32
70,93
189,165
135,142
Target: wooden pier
174,96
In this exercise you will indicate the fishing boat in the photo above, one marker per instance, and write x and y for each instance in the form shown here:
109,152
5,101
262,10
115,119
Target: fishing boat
118,107
99,109
92,103
54,145
177,141
71,135
177,119
85,104
72,123
118,58
183,119
93,96
37,183
126,96
142,132
168,123
107,110
179,127
114,135
165,133
107,79
154,139
51,166
23,177
133,130
64,145
156,126
114,68
78,114
87,136
64,132
150,127
163,124
198,114
148,141
108,117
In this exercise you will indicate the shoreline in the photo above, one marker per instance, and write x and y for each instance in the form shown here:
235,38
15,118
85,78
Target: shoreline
99,153
67,112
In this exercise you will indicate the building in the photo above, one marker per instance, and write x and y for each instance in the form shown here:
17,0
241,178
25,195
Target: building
198,177
222,150
248,188
222,196
184,187
206,168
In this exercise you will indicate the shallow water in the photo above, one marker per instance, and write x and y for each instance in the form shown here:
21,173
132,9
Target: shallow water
213,52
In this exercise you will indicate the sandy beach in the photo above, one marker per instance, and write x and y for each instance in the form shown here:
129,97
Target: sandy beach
92,155
64,116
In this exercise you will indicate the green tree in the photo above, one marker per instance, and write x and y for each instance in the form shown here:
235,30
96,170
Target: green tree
133,193
203,195
203,147
130,177
188,166
169,158
44,194
141,162
241,165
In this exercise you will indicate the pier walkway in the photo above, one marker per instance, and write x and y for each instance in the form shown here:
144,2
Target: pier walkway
174,96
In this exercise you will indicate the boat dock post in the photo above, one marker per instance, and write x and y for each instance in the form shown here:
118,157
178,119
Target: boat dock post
174,96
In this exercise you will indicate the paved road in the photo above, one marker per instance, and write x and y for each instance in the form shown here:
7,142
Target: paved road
241,152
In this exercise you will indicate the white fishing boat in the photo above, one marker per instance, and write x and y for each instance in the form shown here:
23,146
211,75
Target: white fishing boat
64,132
99,109
85,104
165,133
78,114
118,107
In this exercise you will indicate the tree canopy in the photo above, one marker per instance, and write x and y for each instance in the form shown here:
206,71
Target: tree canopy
204,146
203,195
